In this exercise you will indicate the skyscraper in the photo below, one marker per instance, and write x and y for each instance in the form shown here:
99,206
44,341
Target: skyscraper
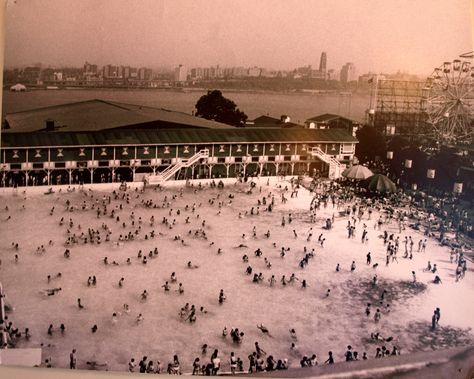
348,73
323,62
180,73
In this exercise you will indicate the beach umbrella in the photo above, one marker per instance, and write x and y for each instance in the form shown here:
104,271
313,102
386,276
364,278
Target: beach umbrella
357,172
379,183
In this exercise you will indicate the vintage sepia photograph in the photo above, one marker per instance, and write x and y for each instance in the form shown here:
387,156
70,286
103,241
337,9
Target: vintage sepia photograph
278,188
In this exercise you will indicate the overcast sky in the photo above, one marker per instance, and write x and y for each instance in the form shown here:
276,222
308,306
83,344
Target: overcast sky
377,35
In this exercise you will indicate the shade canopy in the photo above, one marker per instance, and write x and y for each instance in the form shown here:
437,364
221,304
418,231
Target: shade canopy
379,183
357,172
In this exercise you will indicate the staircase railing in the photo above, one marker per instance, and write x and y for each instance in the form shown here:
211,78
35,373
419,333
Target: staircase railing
168,172
335,167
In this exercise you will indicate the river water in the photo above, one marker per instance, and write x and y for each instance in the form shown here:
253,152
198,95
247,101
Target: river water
298,106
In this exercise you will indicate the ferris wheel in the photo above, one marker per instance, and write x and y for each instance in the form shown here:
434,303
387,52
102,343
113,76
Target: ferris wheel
448,99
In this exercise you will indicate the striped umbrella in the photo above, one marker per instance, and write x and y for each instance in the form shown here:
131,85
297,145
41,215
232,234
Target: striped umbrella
358,172
379,183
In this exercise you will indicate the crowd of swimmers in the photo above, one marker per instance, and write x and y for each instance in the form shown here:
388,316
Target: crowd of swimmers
354,209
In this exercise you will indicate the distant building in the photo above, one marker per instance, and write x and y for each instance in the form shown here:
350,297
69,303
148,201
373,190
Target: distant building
212,72
196,73
254,72
101,141
266,121
239,72
332,121
180,74
109,71
219,72
120,70
305,71
31,75
323,62
148,74
90,69
348,73
47,74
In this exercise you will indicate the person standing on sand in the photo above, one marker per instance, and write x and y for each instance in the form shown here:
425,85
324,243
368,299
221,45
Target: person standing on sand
72,359
221,297
233,363
438,315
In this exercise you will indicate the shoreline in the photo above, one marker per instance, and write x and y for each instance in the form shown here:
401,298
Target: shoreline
299,92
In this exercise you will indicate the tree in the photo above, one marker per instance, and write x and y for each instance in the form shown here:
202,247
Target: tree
214,106
371,144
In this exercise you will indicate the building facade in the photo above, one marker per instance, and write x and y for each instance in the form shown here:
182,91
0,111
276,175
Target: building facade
180,74
323,63
117,150
348,73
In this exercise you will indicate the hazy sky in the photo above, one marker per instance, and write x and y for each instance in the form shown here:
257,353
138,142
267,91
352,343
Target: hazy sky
377,35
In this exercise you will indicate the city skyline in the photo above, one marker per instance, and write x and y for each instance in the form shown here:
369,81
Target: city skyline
276,35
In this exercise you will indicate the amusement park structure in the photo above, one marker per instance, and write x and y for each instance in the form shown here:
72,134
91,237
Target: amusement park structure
440,109
398,107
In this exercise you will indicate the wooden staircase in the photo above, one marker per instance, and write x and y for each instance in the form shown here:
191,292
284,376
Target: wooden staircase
171,170
335,167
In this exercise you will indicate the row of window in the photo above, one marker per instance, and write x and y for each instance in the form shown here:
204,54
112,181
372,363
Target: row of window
125,150
162,162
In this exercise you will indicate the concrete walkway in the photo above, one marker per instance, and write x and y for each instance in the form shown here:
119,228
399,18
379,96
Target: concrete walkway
453,364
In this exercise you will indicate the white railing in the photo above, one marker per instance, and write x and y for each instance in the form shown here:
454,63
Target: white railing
335,167
169,171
